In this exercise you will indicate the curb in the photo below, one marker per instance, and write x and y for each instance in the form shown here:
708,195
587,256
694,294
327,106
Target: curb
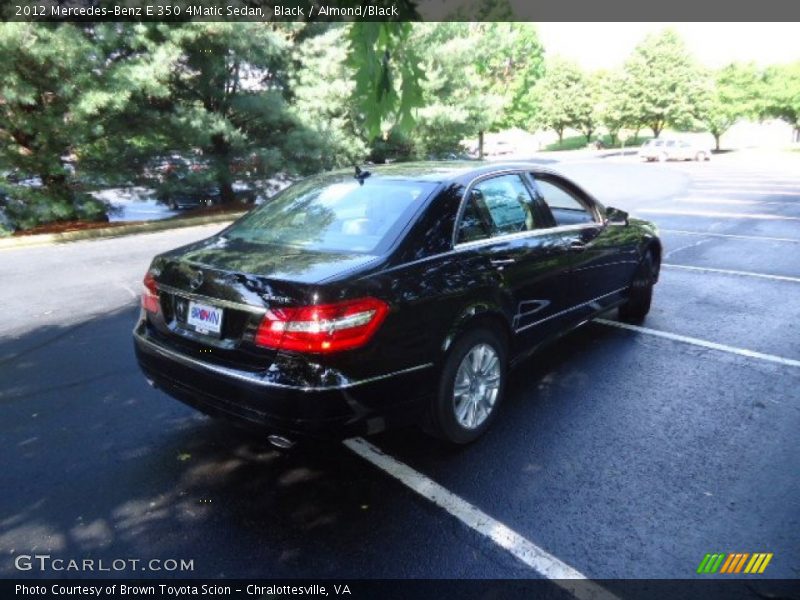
46,239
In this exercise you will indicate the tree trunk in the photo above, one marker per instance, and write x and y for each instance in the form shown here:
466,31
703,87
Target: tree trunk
223,166
560,135
588,133
226,192
716,140
656,127
57,187
480,145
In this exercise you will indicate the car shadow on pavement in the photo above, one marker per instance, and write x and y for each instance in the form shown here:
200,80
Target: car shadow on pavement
526,398
96,464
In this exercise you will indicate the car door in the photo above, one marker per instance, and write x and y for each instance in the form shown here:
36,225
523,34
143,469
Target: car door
504,229
602,256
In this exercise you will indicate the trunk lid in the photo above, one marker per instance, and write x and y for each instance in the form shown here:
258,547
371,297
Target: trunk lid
242,280
290,264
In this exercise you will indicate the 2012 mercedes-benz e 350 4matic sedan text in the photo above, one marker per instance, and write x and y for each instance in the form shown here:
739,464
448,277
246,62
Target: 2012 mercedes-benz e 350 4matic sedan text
347,304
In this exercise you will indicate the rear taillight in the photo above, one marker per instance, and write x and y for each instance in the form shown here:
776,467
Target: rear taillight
150,294
323,327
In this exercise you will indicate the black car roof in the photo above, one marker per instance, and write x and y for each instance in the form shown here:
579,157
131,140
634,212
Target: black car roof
441,171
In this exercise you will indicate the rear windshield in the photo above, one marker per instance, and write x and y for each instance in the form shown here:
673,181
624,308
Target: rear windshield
342,216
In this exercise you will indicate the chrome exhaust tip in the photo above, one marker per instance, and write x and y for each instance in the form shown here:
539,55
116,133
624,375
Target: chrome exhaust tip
280,442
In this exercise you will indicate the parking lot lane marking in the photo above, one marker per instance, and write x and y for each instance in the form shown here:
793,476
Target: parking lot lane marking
744,179
789,362
732,272
761,191
732,201
686,247
703,200
747,181
758,238
716,214
539,560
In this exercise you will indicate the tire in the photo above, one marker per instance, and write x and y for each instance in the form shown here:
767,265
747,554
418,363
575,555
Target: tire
700,157
461,419
640,297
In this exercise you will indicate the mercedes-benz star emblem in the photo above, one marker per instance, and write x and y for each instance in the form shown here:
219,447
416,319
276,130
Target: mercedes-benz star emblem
196,281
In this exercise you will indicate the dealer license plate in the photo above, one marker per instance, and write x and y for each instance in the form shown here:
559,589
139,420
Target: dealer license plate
204,318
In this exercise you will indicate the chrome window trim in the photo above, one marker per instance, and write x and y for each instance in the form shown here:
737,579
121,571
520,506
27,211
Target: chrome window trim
501,238
597,215
255,379
525,234
468,188
593,208
258,310
570,309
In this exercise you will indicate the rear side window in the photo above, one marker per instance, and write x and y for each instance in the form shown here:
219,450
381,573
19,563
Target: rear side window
565,207
496,206
341,216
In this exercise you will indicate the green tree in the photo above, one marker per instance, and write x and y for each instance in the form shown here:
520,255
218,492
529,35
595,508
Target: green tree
476,78
226,95
730,94
322,86
616,107
510,57
458,100
63,87
566,98
663,82
387,75
589,105
781,95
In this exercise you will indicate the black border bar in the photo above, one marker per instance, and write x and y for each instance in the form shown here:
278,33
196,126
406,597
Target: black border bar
402,10
409,589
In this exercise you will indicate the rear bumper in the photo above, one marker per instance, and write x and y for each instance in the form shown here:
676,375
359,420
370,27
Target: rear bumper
303,410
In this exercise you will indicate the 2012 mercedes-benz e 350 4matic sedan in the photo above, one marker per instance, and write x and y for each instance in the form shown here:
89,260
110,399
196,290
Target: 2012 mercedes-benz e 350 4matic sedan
347,304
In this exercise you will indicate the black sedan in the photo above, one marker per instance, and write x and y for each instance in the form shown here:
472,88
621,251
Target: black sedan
351,303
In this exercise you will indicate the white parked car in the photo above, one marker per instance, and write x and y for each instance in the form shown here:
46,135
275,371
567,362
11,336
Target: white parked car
663,150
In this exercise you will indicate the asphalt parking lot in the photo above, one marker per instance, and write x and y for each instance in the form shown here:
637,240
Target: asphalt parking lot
620,453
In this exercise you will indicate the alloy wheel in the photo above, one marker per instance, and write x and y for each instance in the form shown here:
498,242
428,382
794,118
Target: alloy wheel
477,384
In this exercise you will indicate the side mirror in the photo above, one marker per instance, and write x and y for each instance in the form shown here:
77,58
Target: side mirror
615,216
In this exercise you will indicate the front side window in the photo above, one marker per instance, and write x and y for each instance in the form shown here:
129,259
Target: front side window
497,206
565,207
340,216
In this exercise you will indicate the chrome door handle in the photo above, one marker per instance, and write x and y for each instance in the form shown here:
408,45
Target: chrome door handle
499,262
577,246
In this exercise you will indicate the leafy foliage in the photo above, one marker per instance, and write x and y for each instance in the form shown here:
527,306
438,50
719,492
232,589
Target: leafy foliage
388,76
55,104
663,82
510,57
728,95
322,86
781,94
207,104
566,98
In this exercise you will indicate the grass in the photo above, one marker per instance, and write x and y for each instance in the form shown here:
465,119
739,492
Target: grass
575,142
578,142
